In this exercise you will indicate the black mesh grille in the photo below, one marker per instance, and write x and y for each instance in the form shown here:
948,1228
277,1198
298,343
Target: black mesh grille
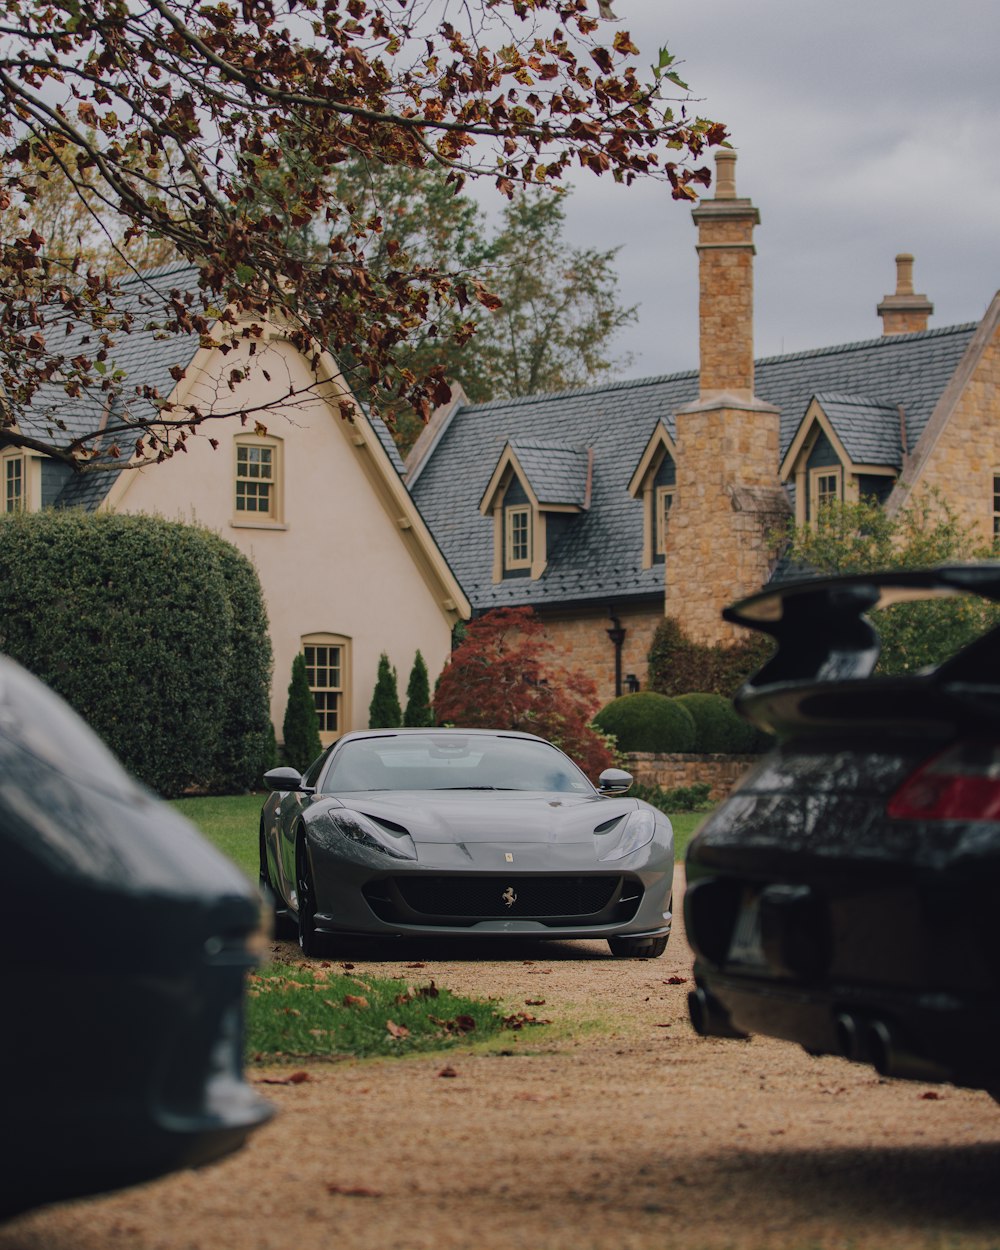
536,898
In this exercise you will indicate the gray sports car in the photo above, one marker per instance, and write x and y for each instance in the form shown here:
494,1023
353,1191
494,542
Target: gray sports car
455,831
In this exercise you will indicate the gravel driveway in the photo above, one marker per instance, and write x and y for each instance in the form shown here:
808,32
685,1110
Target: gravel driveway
628,1133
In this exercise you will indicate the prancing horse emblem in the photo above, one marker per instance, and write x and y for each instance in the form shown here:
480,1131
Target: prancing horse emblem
508,896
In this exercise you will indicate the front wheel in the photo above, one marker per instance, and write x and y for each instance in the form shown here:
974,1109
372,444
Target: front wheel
638,947
310,941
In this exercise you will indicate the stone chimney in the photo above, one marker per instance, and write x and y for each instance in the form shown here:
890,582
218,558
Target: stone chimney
725,253
905,312
728,498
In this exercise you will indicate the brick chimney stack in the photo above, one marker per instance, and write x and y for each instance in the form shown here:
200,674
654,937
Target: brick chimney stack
728,498
725,254
905,312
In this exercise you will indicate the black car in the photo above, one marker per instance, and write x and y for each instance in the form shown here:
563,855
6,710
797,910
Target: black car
126,940
846,895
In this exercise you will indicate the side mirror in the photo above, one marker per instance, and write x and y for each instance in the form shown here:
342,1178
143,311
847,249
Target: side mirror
283,779
613,781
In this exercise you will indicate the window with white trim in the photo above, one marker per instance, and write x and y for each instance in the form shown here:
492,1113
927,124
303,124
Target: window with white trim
13,483
327,658
664,502
258,480
825,488
518,537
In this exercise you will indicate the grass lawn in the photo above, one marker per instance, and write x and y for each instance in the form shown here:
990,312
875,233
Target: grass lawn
231,823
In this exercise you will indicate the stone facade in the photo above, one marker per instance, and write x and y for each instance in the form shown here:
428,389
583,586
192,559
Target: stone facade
581,642
722,772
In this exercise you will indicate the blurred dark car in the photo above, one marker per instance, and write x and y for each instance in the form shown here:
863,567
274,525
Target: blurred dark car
847,895
126,939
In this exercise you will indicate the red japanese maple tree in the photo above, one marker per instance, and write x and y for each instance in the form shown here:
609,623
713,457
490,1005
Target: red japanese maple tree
502,676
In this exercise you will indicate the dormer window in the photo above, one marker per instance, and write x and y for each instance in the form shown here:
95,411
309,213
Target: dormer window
517,544
654,482
664,502
847,447
824,485
533,494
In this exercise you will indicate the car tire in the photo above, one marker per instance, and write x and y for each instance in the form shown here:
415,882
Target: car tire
279,916
310,941
638,947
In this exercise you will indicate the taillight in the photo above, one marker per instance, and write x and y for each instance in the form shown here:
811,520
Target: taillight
962,783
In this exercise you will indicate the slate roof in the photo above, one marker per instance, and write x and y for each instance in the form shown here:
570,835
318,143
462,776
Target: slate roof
146,355
868,428
556,472
600,557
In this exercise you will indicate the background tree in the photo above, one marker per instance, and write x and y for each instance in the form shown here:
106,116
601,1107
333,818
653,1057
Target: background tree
503,677
862,537
172,123
384,711
418,696
301,725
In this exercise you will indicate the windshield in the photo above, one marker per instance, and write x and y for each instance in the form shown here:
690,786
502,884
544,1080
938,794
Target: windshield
452,761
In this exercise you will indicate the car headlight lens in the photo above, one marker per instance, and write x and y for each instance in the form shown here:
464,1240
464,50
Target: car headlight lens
375,837
637,832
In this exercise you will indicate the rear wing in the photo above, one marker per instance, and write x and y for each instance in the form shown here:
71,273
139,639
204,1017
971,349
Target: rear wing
823,632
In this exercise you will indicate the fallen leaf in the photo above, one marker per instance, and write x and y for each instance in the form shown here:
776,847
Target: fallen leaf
355,1000
296,1078
347,967
675,981
396,1030
353,1191
449,1071
416,965
534,1002
661,1026
931,1095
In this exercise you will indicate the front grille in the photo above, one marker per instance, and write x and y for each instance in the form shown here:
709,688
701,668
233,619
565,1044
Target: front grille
457,900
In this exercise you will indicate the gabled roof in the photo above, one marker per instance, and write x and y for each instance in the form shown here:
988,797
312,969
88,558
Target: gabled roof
150,359
600,556
554,476
868,428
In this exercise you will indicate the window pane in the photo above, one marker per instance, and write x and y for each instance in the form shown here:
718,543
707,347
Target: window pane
323,670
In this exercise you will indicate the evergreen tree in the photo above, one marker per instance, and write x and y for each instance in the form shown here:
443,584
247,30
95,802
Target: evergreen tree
418,696
301,727
384,711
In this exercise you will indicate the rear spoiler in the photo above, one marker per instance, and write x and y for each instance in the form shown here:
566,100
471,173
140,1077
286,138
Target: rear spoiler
821,625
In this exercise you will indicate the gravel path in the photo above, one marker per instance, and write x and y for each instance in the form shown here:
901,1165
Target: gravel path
631,1134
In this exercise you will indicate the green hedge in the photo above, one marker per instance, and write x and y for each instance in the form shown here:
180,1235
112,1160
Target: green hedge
677,664
647,722
152,630
720,729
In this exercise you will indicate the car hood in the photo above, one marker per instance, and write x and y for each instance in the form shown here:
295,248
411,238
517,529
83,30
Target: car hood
508,816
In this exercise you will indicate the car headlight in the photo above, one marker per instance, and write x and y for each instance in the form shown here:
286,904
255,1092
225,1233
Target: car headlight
366,832
636,833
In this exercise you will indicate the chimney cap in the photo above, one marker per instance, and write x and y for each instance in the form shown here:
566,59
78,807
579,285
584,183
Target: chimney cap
725,174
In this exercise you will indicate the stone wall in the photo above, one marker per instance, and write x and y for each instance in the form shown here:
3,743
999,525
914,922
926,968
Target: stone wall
722,772
581,642
966,454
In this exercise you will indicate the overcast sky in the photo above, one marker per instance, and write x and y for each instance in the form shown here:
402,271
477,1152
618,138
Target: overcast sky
864,128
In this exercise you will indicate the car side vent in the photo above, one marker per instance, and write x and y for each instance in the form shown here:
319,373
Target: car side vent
388,825
608,825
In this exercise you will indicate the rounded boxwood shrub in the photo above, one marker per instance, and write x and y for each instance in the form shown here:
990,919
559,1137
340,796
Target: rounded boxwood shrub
648,722
130,619
720,729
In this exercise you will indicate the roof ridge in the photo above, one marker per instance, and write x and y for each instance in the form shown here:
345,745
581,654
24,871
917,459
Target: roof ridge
624,384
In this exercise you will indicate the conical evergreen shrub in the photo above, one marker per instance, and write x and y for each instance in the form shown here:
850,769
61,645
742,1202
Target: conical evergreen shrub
384,711
301,727
418,696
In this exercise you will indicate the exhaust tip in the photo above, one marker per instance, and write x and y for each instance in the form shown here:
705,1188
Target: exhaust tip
708,1016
